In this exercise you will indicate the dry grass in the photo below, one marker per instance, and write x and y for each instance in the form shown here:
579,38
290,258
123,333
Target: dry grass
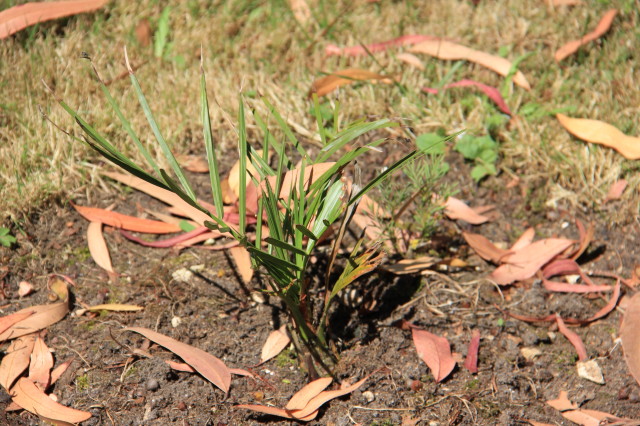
258,45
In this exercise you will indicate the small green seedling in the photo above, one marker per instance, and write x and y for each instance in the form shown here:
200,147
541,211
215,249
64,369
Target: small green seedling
6,239
483,151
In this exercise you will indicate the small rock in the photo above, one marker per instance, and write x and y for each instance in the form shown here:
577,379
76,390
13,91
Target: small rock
368,396
530,353
590,370
176,321
181,406
258,297
152,385
182,275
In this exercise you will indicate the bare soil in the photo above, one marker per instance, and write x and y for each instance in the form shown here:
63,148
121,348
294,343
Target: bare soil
219,315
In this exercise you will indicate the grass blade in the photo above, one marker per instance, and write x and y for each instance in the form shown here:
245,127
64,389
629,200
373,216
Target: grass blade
242,147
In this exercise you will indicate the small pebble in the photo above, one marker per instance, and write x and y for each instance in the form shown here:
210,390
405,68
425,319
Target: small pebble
152,385
181,406
368,396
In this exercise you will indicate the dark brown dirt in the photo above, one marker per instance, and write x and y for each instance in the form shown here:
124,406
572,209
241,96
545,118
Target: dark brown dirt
219,316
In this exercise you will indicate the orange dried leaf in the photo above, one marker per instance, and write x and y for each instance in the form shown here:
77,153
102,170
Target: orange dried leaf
242,258
602,27
411,266
130,223
456,209
447,50
180,366
327,84
301,398
233,179
161,194
411,59
41,364
98,246
602,133
7,321
276,342
194,163
59,370
143,32
42,317
24,288
292,177
525,239
275,411
212,368
485,248
435,352
616,190
110,307
562,403
471,362
363,50
19,17
525,262
27,395
16,360
590,417
318,401
630,336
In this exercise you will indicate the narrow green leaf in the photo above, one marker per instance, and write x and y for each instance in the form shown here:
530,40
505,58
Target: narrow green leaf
212,160
285,128
285,246
321,130
242,148
307,233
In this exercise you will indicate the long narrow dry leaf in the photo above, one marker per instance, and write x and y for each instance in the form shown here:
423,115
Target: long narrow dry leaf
601,29
275,411
27,395
8,320
119,307
57,372
630,336
525,262
525,239
301,398
485,248
327,84
491,92
585,417
411,266
233,178
212,368
443,49
435,352
318,401
42,317
602,133
16,360
573,337
405,40
130,223
98,246
22,16
276,342
456,209
471,362
167,242
242,258
41,364
411,59
161,194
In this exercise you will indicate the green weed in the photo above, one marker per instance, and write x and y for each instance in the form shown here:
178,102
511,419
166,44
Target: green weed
6,239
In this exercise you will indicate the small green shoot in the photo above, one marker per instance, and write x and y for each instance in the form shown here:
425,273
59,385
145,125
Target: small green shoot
482,151
6,239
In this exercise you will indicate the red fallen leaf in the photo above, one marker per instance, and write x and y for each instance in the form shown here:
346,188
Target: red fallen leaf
194,163
180,366
144,32
41,364
491,92
586,236
242,258
327,84
616,190
211,368
434,351
630,336
27,395
19,17
471,363
525,262
25,288
456,209
573,337
443,49
565,2
323,397
535,423
485,248
525,239
98,246
130,223
569,266
411,59
16,359
168,242
603,26
602,133
200,238
562,403
559,287
586,417
405,40
276,342
300,399
611,304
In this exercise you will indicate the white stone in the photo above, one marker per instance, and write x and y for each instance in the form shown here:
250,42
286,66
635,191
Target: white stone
590,370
